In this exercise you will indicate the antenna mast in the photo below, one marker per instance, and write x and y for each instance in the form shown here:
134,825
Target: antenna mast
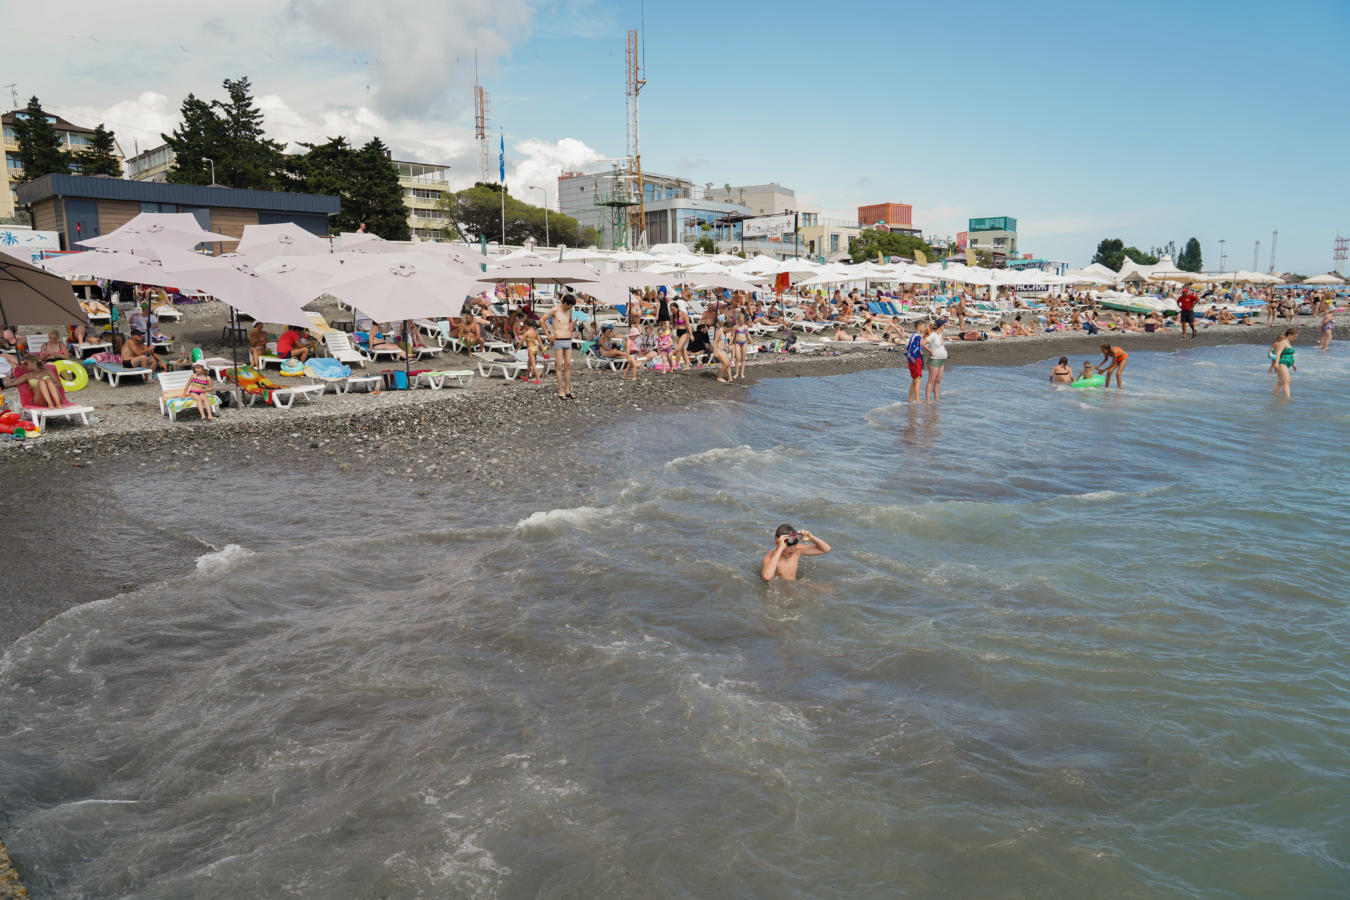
1274,240
1342,250
13,94
637,212
480,123
1256,256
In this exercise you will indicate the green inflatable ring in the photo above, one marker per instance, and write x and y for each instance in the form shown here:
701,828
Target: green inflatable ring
1090,381
73,375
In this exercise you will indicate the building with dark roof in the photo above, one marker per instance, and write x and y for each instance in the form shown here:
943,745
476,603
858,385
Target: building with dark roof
80,207
74,138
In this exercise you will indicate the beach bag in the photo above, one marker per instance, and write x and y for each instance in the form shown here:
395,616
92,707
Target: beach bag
395,380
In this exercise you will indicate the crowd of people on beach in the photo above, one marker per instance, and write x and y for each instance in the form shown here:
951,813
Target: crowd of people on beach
673,331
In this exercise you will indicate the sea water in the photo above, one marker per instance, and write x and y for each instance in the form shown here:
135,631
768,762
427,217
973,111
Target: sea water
1068,643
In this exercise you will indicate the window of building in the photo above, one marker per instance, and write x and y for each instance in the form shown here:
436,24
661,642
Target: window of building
12,162
834,242
10,133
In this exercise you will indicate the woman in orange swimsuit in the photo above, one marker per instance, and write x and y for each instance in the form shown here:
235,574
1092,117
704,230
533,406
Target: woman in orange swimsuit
1113,360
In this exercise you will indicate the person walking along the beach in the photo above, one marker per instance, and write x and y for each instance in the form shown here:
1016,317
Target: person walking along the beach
559,323
937,360
1114,359
914,357
1282,361
788,549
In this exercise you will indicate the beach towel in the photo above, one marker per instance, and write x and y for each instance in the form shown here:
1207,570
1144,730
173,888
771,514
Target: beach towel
326,367
251,381
26,397
179,404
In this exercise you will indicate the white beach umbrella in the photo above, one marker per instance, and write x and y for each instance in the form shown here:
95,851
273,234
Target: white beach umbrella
392,290
1328,278
626,256
263,242
540,272
525,256
364,242
150,231
160,267
706,268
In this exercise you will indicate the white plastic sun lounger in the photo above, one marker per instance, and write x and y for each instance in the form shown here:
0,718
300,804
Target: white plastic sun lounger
40,415
284,398
437,380
340,346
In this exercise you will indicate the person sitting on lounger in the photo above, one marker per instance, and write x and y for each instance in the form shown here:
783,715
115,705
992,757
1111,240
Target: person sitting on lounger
137,354
384,341
257,344
55,348
294,345
42,378
607,347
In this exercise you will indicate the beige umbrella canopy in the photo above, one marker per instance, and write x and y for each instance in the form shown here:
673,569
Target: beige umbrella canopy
30,296
263,242
1328,278
151,231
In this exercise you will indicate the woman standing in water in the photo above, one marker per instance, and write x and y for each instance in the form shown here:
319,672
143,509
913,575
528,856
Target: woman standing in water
1282,362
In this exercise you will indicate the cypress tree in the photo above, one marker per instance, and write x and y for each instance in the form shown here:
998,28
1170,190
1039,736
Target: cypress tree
40,149
250,159
376,197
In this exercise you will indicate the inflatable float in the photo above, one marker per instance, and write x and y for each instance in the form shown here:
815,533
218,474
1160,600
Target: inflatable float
74,377
1090,381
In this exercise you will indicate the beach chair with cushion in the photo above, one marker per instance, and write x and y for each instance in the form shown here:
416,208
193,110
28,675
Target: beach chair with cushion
40,414
270,357
362,344
256,385
172,406
319,326
113,371
437,380
510,366
595,361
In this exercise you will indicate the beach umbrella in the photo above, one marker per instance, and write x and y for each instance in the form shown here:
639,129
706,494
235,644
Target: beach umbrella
367,243
1328,278
516,256
30,296
263,242
390,290
150,231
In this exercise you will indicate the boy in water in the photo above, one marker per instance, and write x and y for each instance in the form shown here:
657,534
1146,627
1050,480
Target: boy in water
781,561
1087,372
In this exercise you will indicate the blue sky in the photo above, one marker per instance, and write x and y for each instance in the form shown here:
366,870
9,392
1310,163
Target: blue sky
1151,122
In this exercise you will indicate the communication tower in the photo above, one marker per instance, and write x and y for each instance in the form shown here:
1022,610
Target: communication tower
1274,241
480,124
1338,256
1256,256
636,76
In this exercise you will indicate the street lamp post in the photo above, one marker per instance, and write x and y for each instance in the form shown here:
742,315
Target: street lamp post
547,243
213,169
1221,255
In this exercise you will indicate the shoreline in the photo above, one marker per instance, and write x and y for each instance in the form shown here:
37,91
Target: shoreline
467,442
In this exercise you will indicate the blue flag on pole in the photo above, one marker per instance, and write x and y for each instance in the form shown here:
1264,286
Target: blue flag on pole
501,159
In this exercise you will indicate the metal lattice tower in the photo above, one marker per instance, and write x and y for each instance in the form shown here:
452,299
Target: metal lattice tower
637,208
1274,241
480,124
1340,253
613,192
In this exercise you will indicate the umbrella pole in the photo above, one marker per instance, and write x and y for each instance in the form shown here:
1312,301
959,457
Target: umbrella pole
407,356
234,353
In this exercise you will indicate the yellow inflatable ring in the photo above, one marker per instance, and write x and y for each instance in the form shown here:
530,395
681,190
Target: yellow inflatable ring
73,375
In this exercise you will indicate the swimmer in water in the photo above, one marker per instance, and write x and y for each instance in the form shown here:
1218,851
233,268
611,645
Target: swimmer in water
1062,373
1087,372
789,546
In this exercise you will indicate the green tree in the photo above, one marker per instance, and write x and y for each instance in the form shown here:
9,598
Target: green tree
374,196
250,159
477,212
199,137
230,134
1110,253
871,242
705,245
100,156
1140,257
1189,259
40,149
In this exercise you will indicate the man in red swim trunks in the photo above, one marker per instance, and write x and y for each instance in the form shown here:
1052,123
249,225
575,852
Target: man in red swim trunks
1186,303
914,356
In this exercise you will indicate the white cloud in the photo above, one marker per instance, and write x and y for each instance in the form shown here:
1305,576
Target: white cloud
543,163
421,58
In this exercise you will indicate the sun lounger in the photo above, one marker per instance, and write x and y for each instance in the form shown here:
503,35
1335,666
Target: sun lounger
437,380
114,372
809,327
319,326
339,344
40,414
509,366
374,355
595,361
172,406
254,384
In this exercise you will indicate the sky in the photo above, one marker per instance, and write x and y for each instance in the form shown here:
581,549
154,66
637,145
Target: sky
1151,122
